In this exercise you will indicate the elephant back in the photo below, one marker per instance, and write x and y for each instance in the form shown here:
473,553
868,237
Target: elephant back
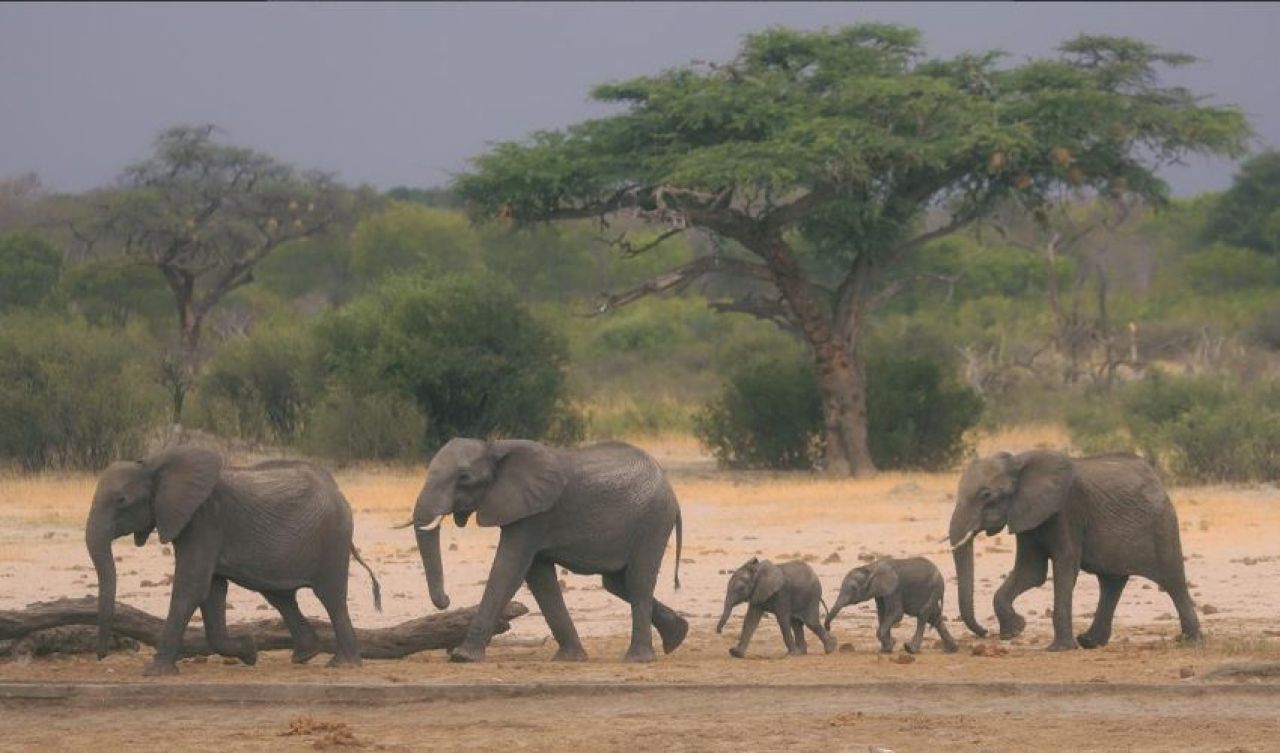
619,473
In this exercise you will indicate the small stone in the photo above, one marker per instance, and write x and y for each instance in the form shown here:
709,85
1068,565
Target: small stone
453,547
1209,609
832,559
904,659
1186,672
846,648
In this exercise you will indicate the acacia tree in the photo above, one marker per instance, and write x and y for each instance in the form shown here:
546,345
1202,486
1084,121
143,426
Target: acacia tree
204,214
820,154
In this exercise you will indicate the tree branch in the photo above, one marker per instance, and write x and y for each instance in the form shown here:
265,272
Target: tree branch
679,278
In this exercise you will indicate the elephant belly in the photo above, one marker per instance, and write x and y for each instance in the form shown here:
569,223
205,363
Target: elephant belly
587,560
1117,555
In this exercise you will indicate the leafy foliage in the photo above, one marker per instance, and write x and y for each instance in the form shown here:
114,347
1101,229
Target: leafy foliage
74,396
473,359
29,269
918,414
1248,214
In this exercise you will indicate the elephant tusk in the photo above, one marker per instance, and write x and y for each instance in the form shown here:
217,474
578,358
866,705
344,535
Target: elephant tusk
405,524
433,525
968,537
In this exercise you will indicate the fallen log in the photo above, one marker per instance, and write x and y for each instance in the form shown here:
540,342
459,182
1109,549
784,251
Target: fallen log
432,632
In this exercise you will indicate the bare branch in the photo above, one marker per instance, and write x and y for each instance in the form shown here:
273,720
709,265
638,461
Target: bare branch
679,278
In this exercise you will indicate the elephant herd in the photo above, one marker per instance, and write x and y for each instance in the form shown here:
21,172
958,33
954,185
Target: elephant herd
609,510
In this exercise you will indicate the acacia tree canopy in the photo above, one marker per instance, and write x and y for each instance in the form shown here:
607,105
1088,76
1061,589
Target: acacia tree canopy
819,153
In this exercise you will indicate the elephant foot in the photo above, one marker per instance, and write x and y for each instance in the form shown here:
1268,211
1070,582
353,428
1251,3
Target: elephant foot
159,668
1090,640
341,662
830,644
737,653
570,653
674,634
248,651
1195,639
305,653
640,654
1012,627
466,654
911,648
1068,644
950,648
797,652
887,649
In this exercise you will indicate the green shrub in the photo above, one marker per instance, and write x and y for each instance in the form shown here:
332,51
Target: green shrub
769,415
1199,430
917,414
29,269
345,426
255,387
475,361
72,395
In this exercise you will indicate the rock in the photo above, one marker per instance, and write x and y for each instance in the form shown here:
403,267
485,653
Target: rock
846,648
1209,609
832,559
1185,672
904,659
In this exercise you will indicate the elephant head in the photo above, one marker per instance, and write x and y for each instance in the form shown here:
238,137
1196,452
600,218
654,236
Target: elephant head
873,581
755,582
501,482
1017,491
160,493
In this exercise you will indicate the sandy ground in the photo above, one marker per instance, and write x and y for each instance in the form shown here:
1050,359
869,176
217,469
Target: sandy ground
766,702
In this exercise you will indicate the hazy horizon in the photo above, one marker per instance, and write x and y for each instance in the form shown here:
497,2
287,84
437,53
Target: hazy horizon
404,94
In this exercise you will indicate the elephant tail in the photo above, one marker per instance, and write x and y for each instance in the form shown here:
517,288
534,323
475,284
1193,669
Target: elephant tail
826,610
679,546
377,589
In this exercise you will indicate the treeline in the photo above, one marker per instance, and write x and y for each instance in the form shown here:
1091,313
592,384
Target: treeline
383,334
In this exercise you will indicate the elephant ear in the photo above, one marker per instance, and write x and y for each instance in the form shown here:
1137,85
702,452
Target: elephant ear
883,581
527,480
769,581
183,479
1044,479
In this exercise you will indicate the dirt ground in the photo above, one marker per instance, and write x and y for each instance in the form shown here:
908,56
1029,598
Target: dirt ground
699,698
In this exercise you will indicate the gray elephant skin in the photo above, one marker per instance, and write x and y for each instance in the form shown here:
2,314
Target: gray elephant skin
1107,515
274,527
606,509
790,591
911,586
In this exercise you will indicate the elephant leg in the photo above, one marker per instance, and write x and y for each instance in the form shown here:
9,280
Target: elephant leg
948,642
510,566
671,626
542,583
641,577
813,623
192,579
1181,595
913,646
1109,589
749,624
1030,566
214,613
1064,584
333,595
306,644
888,619
783,615
797,631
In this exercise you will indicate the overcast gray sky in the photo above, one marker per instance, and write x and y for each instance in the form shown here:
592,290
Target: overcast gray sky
404,94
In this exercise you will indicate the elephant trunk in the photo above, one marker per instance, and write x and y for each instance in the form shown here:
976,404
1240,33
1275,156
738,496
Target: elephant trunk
729,604
429,548
97,538
841,603
961,537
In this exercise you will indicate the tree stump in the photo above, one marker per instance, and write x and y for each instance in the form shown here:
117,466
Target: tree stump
437,631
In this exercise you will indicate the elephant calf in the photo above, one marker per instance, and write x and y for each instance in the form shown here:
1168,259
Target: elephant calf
900,586
790,591
274,527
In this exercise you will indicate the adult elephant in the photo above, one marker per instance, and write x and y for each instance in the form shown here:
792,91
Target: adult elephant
1107,515
606,509
273,528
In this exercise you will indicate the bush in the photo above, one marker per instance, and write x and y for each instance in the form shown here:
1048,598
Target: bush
917,415
769,415
255,387
345,426
74,396
475,361
29,269
1199,430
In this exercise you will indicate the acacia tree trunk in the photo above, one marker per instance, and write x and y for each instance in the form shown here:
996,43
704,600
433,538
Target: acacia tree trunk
837,355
